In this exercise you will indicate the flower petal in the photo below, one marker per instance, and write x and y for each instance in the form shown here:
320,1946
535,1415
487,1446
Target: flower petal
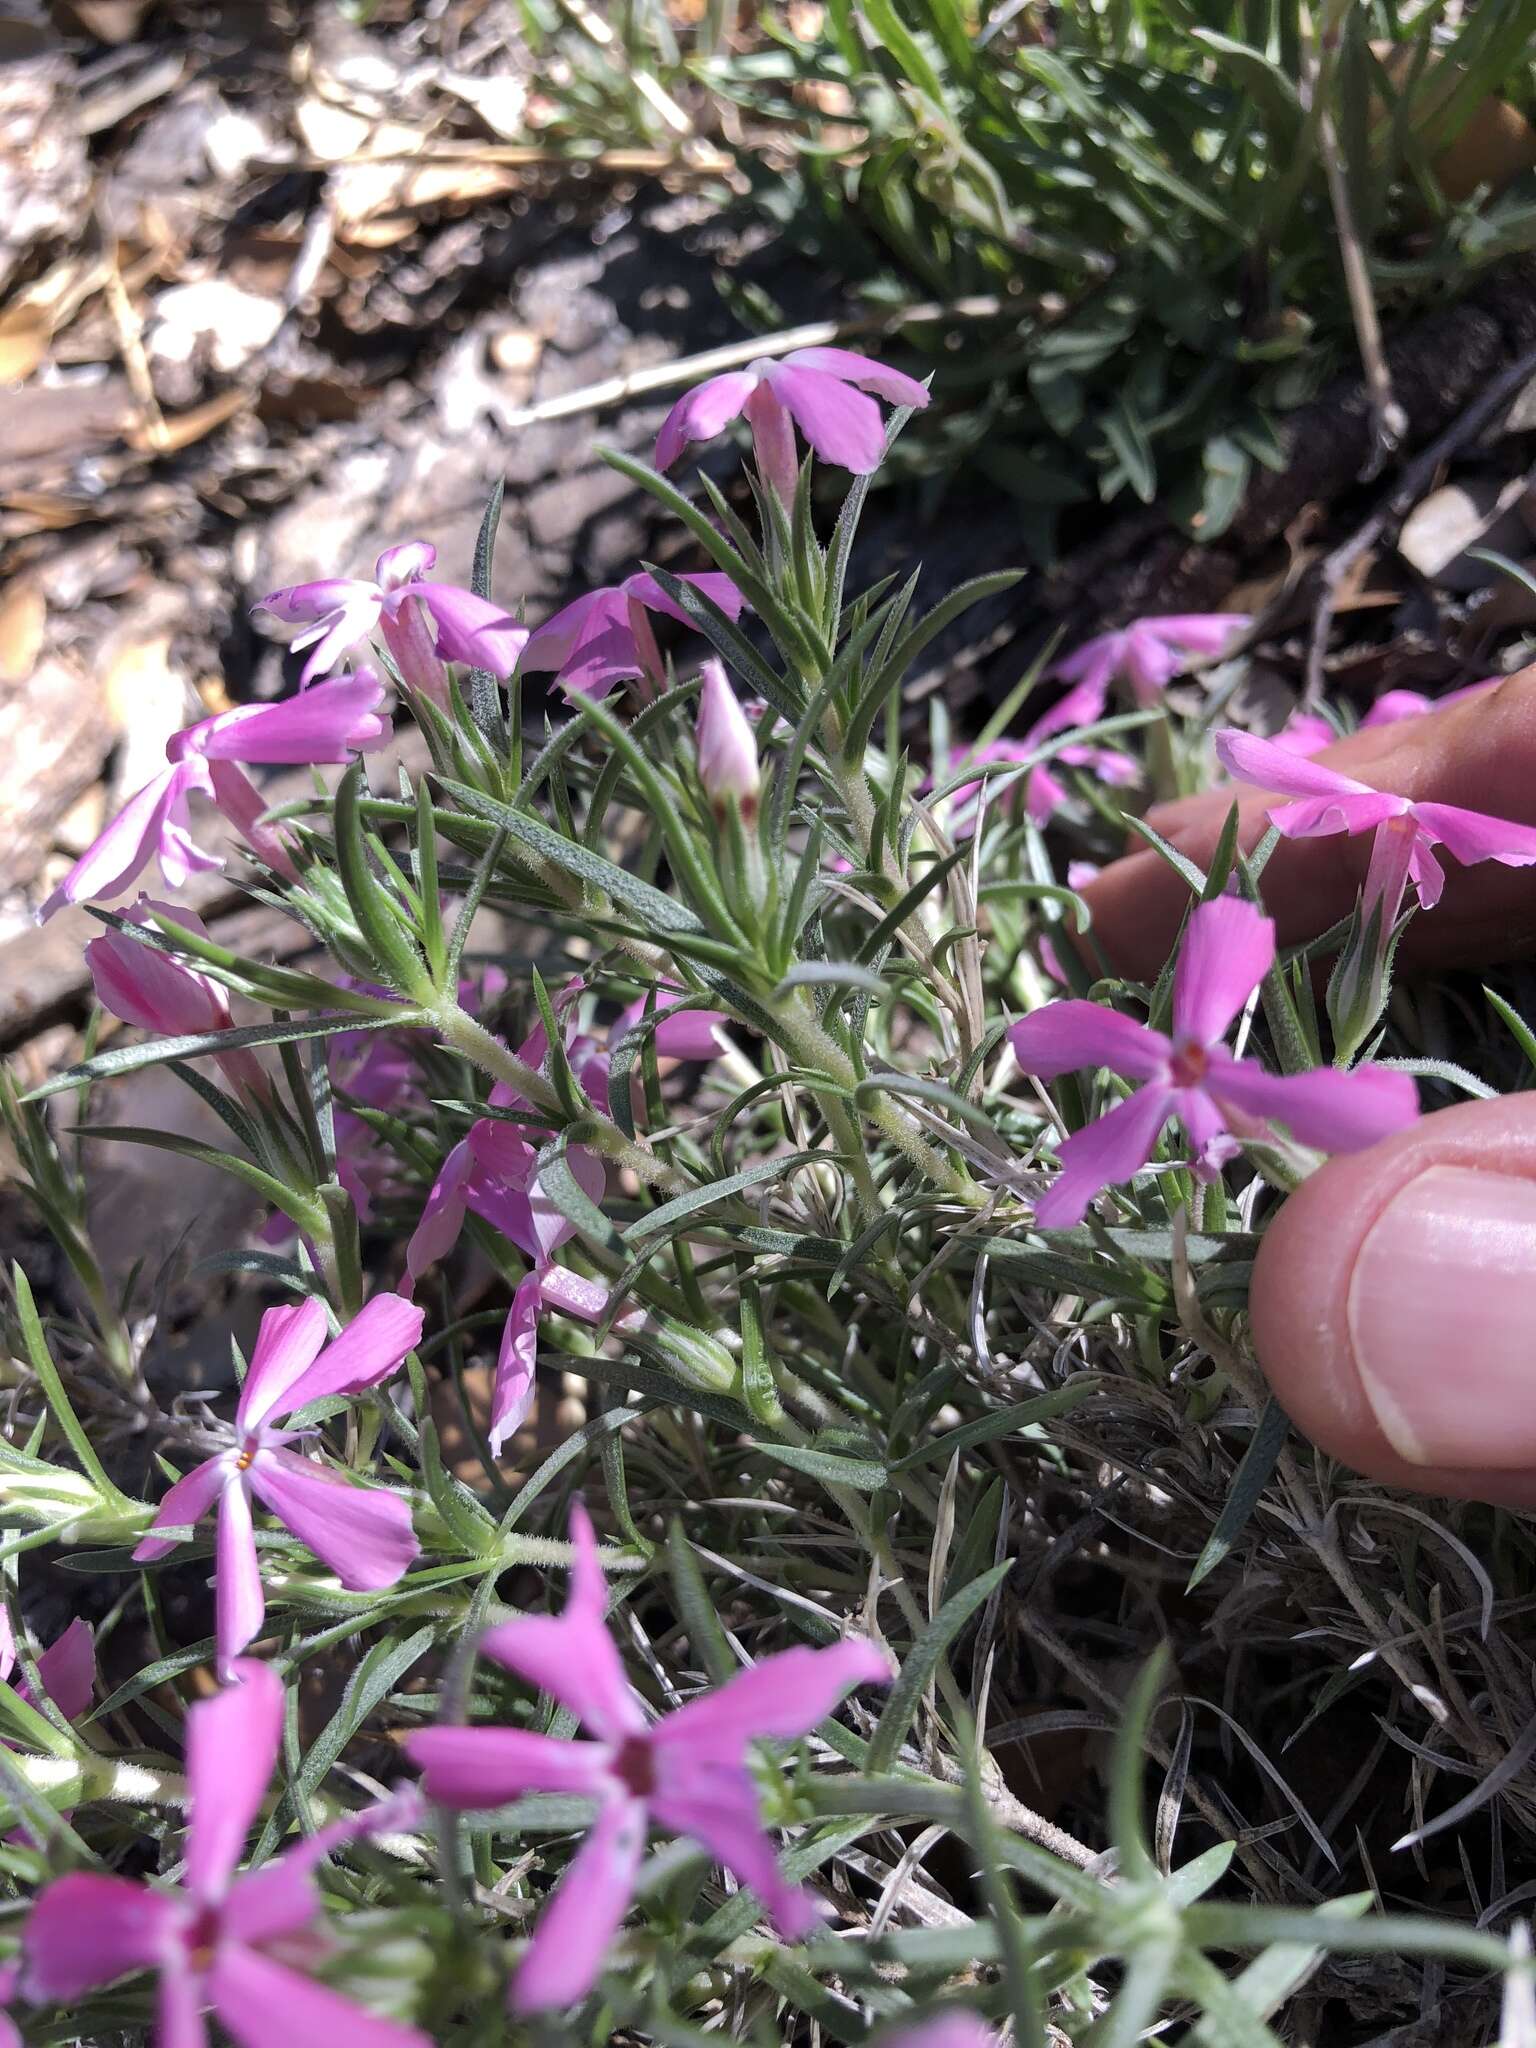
1228,949
1333,1111
717,1805
1103,1153
702,413
484,1767
573,1657
371,1346
841,424
179,2021
1320,816
331,722
1094,666
232,1745
1196,632
146,987
363,1533
471,629
1067,1037
710,583
287,1345
87,1930
240,1605
369,1349
259,2003
572,1937
404,562
586,619
892,385
183,1507
1270,767
516,1365
779,1699
68,1669
145,827
437,1231
1472,836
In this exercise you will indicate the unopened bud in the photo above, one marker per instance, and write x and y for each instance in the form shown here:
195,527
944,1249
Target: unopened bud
727,745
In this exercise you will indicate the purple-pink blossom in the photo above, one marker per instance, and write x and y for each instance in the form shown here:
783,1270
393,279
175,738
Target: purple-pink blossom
822,391
144,986
67,1668
1306,732
493,1173
605,638
330,725
363,1533
727,745
1044,791
422,623
687,1773
1148,653
1407,832
1228,948
217,1940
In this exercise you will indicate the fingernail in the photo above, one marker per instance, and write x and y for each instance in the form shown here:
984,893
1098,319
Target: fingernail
1442,1319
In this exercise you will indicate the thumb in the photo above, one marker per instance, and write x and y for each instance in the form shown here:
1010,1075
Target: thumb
1392,1299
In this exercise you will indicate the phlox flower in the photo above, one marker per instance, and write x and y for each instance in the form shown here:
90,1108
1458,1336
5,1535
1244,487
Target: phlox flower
1305,732
1148,653
1407,832
727,745
822,391
954,2028
144,986
422,623
362,1532
687,1773
330,725
67,1668
605,637
493,1173
1044,791
217,1940
1228,948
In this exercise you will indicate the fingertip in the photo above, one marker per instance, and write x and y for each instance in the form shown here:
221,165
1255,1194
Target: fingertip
1391,1304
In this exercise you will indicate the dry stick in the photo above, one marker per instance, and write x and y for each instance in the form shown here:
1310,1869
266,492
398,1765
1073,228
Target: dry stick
1399,502
1387,416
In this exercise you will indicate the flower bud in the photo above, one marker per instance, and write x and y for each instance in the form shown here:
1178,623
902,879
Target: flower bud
727,745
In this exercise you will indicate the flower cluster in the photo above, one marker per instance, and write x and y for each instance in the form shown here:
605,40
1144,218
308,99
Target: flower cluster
779,899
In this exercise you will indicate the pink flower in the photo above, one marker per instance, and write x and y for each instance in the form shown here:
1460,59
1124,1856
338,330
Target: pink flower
688,1773
820,390
214,1940
1149,653
677,1034
146,987
335,721
726,743
1304,732
492,1172
423,624
954,2028
363,1533
605,638
67,1667
1228,949
1407,833
1044,792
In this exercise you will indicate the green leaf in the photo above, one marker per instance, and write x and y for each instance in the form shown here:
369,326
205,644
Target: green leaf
1248,1484
922,1661
154,1052
40,1359
864,1475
